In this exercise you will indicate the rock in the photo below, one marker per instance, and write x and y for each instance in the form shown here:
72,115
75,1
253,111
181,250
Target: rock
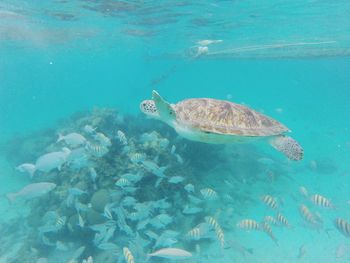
100,199
94,217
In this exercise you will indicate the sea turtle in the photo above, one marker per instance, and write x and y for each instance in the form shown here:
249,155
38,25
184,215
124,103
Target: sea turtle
220,122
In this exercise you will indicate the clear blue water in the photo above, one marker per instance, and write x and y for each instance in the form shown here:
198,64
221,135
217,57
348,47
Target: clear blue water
288,60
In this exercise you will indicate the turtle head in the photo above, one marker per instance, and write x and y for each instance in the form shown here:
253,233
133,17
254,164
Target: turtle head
149,108
158,108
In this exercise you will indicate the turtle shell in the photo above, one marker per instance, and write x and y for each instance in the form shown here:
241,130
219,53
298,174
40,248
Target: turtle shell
225,117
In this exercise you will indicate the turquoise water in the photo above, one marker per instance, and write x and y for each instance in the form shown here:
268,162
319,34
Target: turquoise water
65,65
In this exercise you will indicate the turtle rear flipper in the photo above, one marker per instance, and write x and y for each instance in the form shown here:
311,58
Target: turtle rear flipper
288,146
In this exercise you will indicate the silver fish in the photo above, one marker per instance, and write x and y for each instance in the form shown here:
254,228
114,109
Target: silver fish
189,188
32,191
53,160
89,129
191,210
72,139
176,179
153,168
103,139
171,253
26,168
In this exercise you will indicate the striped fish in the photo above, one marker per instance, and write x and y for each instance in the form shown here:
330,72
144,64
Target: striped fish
122,182
343,226
137,158
209,194
303,191
270,220
129,258
96,150
267,229
200,231
122,138
218,230
321,201
281,219
307,214
248,224
269,201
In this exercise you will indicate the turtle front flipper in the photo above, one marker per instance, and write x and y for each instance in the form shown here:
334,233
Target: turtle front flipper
165,110
288,146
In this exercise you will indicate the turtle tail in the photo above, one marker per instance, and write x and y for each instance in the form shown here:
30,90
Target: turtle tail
288,146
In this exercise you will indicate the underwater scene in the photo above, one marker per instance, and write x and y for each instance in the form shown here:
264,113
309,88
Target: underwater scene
174,131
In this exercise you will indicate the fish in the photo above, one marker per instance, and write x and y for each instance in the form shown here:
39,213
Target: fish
151,234
52,160
61,246
96,150
103,139
191,210
265,227
239,247
307,214
271,220
77,253
161,221
81,222
176,179
134,178
189,188
61,221
129,258
269,201
153,168
142,224
107,212
76,191
209,194
200,231
128,201
194,200
122,182
171,253
108,246
302,251
163,143
32,191
166,239
161,204
88,260
248,224
282,220
218,230
343,226
93,174
89,129
179,158
173,149
321,201
26,168
122,138
72,139
207,42
137,158
303,191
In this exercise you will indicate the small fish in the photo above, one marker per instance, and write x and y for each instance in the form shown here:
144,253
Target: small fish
133,178
173,149
321,201
307,214
189,188
107,212
137,158
171,253
76,191
129,258
108,246
103,139
191,210
179,158
26,168
153,168
96,150
53,160
194,200
271,220
269,201
218,230
267,229
176,179
31,191
207,42
194,234
89,129
72,139
151,234
61,246
81,222
248,224
88,260
93,174
142,224
61,221
122,182
122,138
209,194
302,251
129,201
303,191
343,226
282,220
